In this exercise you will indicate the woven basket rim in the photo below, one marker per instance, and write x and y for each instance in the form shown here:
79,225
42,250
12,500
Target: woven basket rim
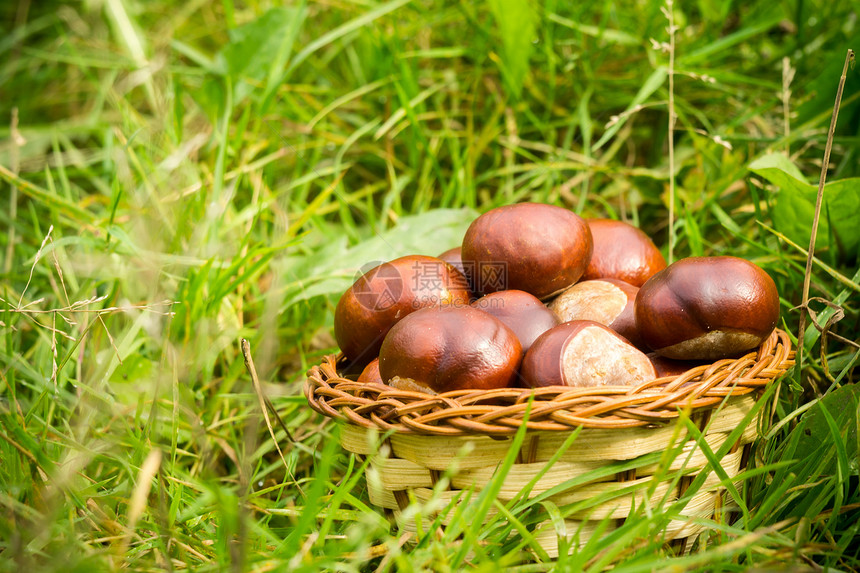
501,412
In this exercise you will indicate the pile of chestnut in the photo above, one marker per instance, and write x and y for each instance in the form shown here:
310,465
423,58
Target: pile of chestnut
563,301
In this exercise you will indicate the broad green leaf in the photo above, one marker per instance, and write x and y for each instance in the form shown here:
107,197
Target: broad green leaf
842,205
339,32
259,50
257,54
778,169
135,368
816,439
331,269
794,207
793,213
211,97
516,20
822,92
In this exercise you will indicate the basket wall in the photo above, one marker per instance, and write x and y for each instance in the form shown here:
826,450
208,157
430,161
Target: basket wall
415,463
466,435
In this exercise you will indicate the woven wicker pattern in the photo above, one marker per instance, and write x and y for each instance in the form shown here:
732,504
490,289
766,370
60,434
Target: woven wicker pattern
466,435
500,412
408,467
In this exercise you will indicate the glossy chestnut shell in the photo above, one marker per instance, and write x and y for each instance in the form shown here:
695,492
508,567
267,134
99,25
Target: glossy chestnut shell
450,348
623,252
540,249
387,293
707,308
370,374
521,312
454,258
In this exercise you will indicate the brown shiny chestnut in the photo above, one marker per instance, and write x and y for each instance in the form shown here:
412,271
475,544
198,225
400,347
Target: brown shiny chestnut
607,301
623,252
707,308
387,293
584,353
521,312
436,350
668,367
454,258
370,374
540,249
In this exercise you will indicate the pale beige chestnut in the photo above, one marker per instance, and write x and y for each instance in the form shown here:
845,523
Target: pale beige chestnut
607,301
707,308
584,353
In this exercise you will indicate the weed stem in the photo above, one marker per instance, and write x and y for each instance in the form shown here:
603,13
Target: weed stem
849,57
670,14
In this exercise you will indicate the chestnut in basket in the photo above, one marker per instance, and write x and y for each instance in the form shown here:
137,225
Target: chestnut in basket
521,312
668,367
607,301
387,293
454,258
370,374
584,353
435,350
707,308
623,252
540,249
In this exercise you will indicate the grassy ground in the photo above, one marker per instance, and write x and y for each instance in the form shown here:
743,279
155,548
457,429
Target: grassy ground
177,176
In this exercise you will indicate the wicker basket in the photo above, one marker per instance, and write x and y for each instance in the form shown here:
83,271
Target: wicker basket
427,435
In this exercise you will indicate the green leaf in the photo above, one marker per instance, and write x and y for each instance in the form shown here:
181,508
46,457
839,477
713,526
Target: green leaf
794,207
331,269
609,35
259,50
778,169
725,219
816,434
654,81
340,32
821,88
516,20
722,45
842,208
211,97
693,234
135,368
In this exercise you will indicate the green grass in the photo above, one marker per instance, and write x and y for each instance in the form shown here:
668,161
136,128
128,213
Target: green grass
184,175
